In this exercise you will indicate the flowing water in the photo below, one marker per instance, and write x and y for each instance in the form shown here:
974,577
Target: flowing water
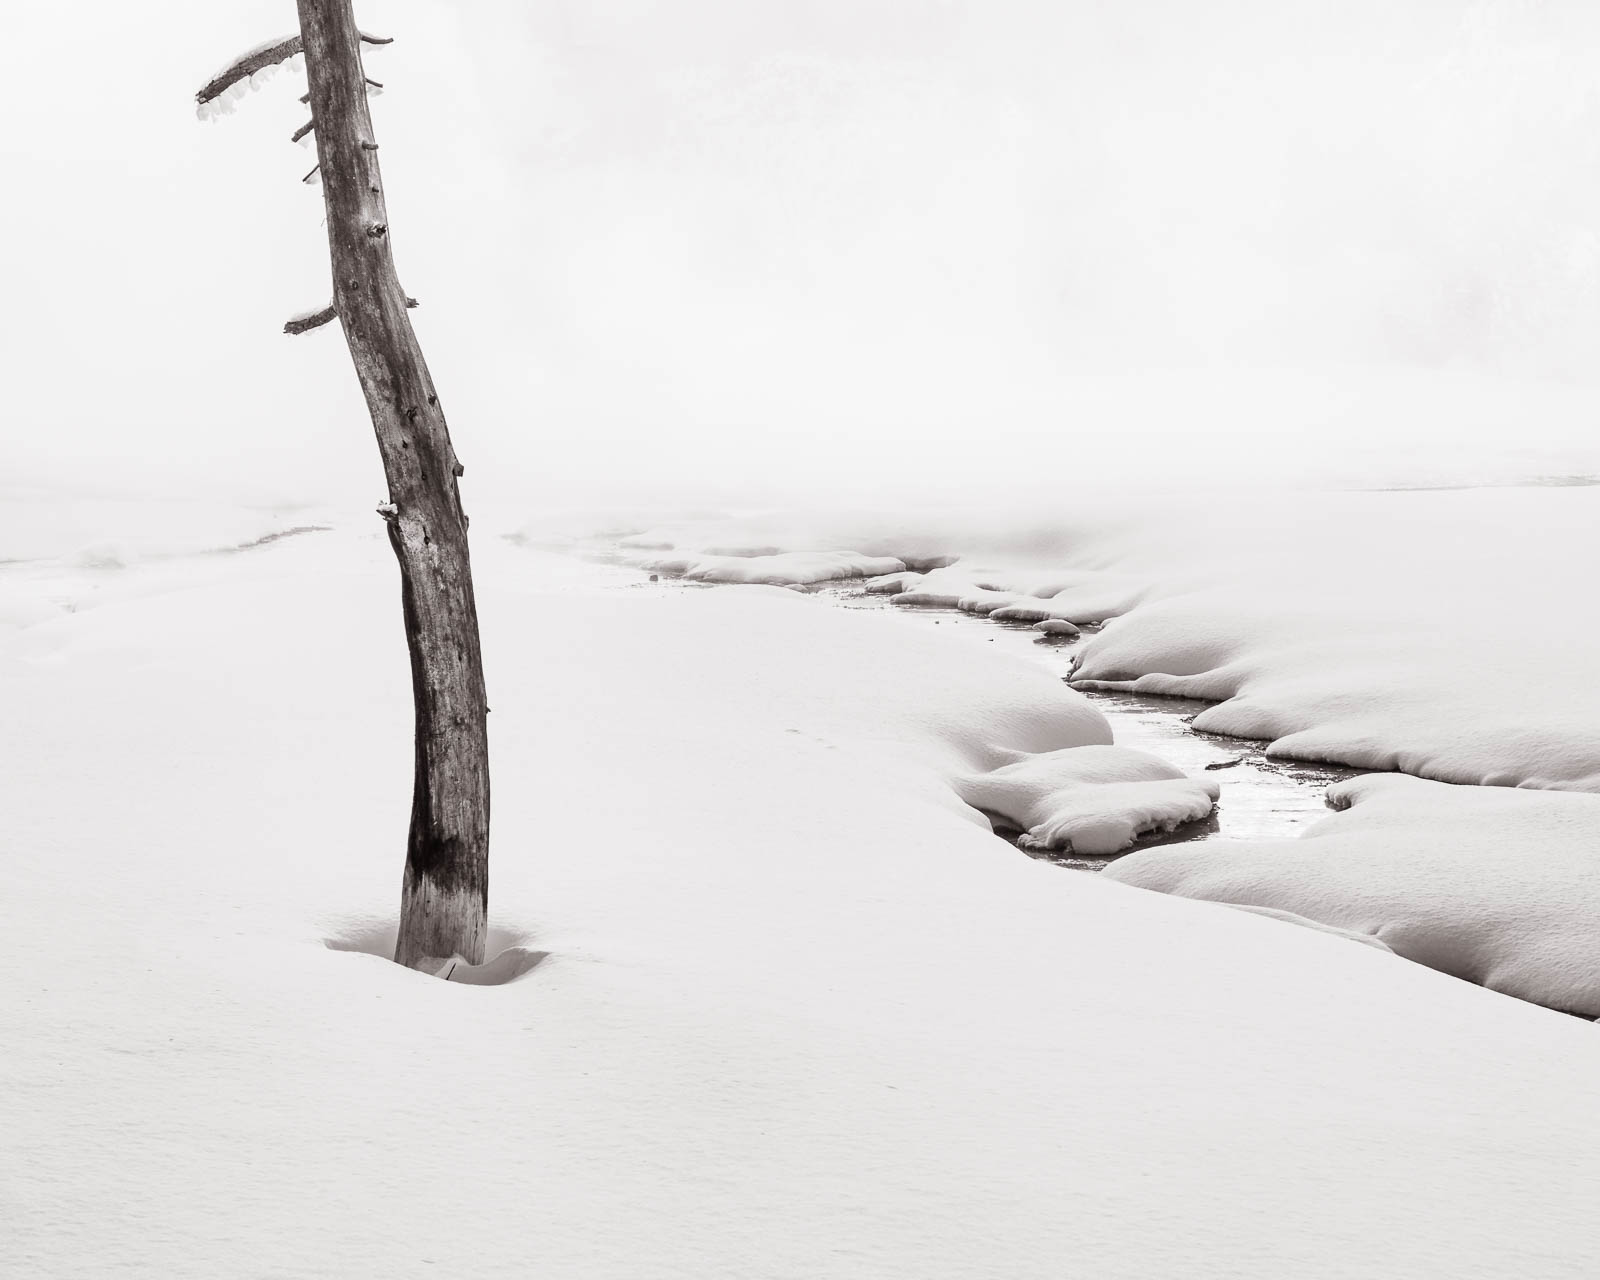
1261,798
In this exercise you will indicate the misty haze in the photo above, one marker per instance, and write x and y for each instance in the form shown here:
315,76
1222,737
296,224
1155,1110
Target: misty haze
975,619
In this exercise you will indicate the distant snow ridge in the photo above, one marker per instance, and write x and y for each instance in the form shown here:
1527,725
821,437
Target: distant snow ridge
1496,885
1091,800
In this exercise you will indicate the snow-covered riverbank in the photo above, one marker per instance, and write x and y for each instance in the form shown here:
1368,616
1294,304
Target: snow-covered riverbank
1353,627
1348,627
801,1013
1265,798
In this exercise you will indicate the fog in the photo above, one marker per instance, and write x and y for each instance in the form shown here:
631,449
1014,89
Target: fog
740,248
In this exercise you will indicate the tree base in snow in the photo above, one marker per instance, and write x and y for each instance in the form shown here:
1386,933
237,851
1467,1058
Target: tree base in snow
438,924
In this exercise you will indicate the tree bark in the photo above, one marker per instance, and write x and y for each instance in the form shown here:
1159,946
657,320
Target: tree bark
444,900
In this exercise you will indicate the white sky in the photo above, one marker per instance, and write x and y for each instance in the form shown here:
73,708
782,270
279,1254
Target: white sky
838,244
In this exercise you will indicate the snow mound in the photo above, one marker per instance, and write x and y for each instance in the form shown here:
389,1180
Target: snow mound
1497,886
1093,800
1016,596
793,568
969,598
949,589
1094,599
892,583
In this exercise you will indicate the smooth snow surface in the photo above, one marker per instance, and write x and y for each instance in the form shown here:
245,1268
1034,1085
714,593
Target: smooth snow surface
800,1014
1500,887
1090,800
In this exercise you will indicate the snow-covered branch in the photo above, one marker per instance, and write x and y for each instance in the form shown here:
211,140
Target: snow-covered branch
237,73
306,321
249,69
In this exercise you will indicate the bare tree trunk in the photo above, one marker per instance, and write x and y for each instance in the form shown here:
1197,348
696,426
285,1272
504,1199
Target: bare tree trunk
444,902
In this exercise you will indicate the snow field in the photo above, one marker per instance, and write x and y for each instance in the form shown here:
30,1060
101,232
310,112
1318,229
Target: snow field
801,1013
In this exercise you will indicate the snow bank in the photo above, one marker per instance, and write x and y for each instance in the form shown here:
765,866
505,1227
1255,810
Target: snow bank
1093,800
1440,634
800,1012
794,568
1500,887
951,589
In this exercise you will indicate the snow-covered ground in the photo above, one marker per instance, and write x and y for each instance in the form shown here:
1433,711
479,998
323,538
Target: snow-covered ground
1447,634
801,1014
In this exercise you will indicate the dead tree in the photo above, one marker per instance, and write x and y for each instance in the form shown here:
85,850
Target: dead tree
444,901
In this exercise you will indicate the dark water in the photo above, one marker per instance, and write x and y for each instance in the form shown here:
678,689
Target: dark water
1261,798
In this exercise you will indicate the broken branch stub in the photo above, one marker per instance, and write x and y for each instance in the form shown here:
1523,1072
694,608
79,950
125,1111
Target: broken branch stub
310,320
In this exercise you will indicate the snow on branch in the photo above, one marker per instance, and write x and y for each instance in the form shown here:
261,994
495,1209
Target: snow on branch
223,90
251,69
306,321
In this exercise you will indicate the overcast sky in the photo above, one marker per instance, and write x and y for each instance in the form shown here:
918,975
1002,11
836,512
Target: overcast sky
833,243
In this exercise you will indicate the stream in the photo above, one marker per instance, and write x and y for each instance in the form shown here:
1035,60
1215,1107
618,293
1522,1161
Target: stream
1262,798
